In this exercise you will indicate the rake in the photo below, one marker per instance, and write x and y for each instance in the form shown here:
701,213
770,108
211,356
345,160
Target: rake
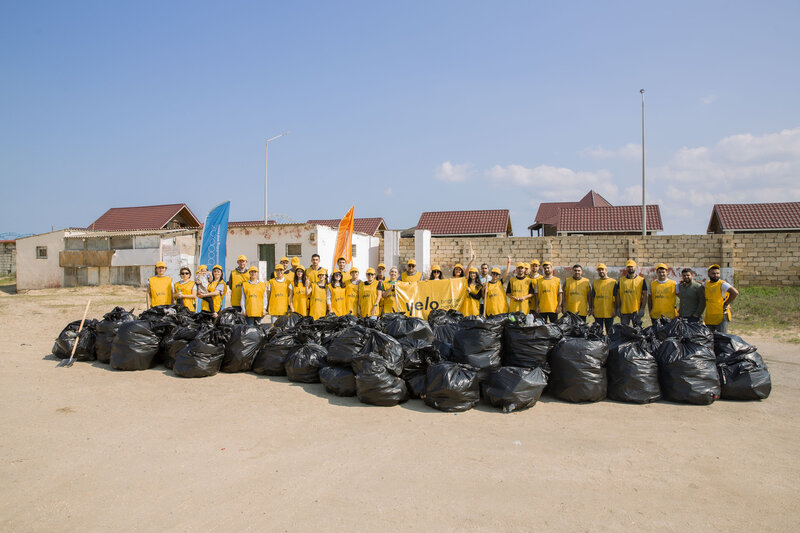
68,362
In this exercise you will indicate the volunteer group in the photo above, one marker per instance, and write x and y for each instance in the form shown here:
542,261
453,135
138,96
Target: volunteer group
528,288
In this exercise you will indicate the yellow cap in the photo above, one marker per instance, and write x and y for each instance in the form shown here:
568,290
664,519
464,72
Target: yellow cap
521,264
661,265
284,259
353,269
411,262
547,263
713,266
299,267
370,271
295,261
602,265
241,258
495,270
458,265
473,269
436,267
381,265
253,269
161,264
279,267
535,262
341,258
630,263
201,268
217,267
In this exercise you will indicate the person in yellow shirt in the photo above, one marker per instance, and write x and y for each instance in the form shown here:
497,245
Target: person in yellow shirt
577,291
519,291
471,304
341,265
604,298
352,286
458,269
387,297
632,295
238,276
380,272
313,270
318,296
185,291
214,295
299,285
253,297
368,295
494,295
410,273
295,262
337,294
436,272
159,287
279,294
663,295
719,297
549,294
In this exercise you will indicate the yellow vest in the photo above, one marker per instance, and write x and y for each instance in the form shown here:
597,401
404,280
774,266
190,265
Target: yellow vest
496,303
160,290
715,301
388,300
253,298
289,276
338,300
469,305
352,296
236,281
300,299
414,277
345,275
278,297
367,295
663,297
576,296
519,288
548,294
185,288
604,298
318,303
630,294
311,274
216,301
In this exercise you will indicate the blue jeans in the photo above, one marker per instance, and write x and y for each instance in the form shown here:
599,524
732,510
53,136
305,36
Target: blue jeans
253,320
722,327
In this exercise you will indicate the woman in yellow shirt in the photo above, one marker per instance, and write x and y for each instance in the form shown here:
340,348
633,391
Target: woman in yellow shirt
387,297
337,294
318,297
212,299
471,304
159,287
300,291
185,291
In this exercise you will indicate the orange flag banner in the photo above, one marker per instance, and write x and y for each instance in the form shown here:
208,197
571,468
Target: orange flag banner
344,240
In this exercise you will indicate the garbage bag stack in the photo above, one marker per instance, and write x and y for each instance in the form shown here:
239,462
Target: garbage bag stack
743,375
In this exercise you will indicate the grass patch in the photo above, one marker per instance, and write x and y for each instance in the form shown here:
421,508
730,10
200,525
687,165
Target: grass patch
768,311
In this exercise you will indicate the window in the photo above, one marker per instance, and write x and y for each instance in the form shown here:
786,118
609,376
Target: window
41,252
354,250
294,249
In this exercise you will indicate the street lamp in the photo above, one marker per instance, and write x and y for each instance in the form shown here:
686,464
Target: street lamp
266,160
644,205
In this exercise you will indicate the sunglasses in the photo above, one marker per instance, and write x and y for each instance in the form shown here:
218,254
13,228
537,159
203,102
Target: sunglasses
185,273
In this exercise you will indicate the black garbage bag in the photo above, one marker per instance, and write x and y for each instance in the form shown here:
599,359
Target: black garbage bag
158,313
347,345
304,361
135,346
528,346
107,329
176,341
514,388
416,382
292,320
401,326
386,347
452,387
271,357
202,357
743,375
571,324
242,348
85,351
375,384
578,372
445,332
632,372
440,316
681,328
230,317
338,380
687,372
417,354
478,343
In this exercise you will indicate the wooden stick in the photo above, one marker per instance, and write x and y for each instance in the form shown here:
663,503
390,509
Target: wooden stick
78,335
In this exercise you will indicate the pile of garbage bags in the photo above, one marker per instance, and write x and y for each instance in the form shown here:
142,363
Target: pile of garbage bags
449,361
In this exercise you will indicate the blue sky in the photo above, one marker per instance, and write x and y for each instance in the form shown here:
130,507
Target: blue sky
397,108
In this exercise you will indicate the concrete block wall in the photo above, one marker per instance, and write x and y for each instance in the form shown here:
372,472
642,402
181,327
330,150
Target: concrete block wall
767,259
8,258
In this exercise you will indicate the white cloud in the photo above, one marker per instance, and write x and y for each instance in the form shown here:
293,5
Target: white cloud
388,192
628,152
555,183
709,99
447,171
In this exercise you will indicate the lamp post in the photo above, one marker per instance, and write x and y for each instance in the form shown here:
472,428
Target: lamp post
644,205
266,161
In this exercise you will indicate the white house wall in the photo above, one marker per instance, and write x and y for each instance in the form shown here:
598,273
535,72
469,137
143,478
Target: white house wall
33,273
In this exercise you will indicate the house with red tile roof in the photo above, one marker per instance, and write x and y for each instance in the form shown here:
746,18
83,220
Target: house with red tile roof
146,217
754,218
369,226
478,223
594,214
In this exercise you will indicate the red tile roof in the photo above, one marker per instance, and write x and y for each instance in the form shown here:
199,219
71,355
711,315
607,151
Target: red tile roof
481,222
370,226
784,215
617,218
548,211
250,223
147,217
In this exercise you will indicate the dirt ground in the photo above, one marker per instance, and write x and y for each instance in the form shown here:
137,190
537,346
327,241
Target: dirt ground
89,448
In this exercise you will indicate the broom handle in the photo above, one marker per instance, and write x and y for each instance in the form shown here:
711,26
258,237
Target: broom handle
77,335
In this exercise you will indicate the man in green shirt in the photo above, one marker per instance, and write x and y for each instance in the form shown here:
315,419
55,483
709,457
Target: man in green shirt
692,296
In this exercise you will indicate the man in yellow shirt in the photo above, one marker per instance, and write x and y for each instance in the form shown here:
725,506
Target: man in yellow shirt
519,291
341,263
239,275
719,297
663,293
314,269
576,293
632,295
549,294
159,287
411,274
603,301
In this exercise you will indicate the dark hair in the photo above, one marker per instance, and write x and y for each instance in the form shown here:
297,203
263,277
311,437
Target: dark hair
315,255
440,274
577,266
185,269
484,265
341,278
303,270
456,275
477,280
685,270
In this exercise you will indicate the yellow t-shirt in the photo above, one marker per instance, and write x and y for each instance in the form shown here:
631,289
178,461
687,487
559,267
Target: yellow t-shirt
216,301
547,294
576,296
300,299
351,293
663,296
338,300
604,299
318,302
416,276
469,305
388,300
496,302
236,280
278,297
715,302
160,290
185,288
630,294
519,288
367,296
253,298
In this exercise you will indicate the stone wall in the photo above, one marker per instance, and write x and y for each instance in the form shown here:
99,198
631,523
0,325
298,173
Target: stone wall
8,258
767,259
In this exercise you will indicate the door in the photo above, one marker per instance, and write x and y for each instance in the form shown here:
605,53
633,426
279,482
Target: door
266,252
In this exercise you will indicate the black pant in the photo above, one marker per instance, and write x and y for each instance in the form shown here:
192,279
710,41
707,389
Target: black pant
550,317
606,323
237,307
